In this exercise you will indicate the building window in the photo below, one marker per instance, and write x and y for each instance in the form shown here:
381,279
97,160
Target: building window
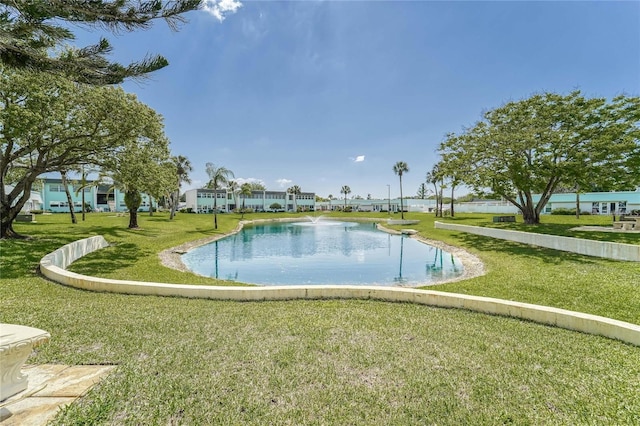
622,207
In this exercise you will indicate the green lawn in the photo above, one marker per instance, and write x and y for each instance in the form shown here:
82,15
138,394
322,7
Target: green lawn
183,361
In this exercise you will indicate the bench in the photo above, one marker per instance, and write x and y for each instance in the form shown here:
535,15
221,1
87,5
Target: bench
16,344
624,226
25,217
504,219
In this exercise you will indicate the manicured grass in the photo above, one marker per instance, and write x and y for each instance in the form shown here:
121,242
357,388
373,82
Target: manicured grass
184,361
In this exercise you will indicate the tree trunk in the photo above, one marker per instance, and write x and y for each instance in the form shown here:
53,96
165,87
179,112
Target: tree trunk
435,191
84,182
6,227
173,198
150,206
133,200
133,219
401,207
577,203
530,215
72,208
215,208
11,204
452,188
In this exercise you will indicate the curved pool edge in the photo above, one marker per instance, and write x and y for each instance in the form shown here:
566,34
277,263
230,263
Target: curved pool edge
473,266
53,267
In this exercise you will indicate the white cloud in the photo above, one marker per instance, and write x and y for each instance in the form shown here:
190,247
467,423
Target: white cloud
220,8
283,182
249,180
359,159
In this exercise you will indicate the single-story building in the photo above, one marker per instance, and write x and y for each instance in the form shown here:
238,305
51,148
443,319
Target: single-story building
602,203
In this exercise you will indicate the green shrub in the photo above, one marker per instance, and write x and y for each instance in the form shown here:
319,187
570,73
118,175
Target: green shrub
36,211
568,212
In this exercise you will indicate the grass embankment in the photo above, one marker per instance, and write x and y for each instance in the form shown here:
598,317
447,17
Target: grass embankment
326,362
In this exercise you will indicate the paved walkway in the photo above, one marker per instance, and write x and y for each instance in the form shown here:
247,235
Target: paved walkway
50,387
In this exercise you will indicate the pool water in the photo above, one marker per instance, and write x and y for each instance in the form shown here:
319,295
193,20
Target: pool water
324,252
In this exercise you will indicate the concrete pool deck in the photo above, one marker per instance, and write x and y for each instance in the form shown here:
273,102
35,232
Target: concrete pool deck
50,387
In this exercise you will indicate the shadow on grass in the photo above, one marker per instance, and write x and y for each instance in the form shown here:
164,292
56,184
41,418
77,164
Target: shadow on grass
20,258
37,231
112,258
546,255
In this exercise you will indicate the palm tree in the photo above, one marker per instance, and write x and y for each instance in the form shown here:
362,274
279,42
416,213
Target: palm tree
345,190
233,187
65,184
218,177
295,190
399,168
245,191
183,168
330,197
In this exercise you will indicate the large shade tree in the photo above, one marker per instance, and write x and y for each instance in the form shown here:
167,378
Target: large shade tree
31,30
219,176
163,183
142,164
399,169
50,124
535,145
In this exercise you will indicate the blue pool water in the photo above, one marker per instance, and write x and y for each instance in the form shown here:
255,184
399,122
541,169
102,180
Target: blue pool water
326,252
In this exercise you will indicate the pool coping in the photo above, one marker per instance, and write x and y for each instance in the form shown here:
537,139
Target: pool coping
53,267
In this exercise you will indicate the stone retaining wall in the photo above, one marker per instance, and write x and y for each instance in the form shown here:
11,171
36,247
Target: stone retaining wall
605,249
53,264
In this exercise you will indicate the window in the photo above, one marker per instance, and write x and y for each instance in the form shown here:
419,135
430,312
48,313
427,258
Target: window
622,207
55,187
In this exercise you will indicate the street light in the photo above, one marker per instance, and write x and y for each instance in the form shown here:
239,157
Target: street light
389,198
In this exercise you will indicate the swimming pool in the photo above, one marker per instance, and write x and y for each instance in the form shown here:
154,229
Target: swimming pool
323,252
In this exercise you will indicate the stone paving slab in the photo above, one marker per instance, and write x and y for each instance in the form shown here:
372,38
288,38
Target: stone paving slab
50,387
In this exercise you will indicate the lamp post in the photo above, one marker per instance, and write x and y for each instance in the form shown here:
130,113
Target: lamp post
389,199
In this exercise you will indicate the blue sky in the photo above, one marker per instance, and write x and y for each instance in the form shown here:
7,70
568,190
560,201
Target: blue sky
330,93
